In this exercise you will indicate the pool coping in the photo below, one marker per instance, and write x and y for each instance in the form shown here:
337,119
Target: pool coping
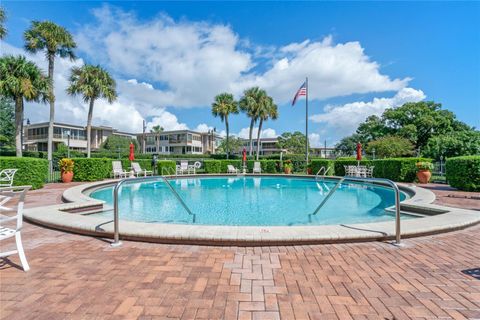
57,217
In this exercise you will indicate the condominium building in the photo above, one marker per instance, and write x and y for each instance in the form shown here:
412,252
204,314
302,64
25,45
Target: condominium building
179,142
35,136
267,146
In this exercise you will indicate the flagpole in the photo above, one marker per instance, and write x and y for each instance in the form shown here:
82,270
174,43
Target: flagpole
306,118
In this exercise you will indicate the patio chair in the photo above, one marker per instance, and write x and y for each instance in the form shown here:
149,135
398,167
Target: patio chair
139,171
118,171
5,232
183,167
231,169
6,177
369,172
257,168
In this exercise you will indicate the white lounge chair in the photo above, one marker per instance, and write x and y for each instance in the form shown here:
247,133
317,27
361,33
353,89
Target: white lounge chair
6,177
5,232
257,168
139,171
118,171
231,169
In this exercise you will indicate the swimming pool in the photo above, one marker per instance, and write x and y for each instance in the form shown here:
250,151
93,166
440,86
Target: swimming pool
250,201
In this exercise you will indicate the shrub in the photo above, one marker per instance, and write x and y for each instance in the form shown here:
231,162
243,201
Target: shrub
212,166
31,171
91,169
316,164
423,165
144,164
66,165
166,167
464,172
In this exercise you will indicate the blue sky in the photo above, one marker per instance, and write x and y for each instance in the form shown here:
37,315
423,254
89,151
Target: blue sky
171,58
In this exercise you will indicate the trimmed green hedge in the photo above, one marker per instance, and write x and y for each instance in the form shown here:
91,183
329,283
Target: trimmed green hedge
464,172
92,169
396,169
31,171
220,166
166,167
316,164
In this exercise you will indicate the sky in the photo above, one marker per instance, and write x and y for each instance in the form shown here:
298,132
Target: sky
170,59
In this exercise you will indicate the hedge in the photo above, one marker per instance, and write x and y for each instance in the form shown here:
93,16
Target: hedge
31,171
220,166
92,169
396,169
464,172
316,164
166,167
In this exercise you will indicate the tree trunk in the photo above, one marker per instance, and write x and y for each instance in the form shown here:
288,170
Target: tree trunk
250,138
18,125
51,63
89,126
258,136
226,127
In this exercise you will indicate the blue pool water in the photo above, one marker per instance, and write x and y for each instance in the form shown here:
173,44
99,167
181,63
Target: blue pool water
250,201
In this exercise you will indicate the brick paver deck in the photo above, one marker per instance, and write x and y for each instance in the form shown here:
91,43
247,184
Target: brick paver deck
79,277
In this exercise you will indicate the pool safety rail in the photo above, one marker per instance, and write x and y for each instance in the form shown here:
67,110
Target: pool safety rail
387,182
324,170
116,190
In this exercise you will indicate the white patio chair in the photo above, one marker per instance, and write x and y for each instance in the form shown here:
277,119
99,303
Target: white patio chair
369,172
5,232
118,171
231,169
183,167
6,177
139,171
257,167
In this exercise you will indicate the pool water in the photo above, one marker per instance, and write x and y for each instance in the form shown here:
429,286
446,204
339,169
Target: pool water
250,201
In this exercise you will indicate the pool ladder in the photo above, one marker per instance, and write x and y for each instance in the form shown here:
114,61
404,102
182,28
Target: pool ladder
116,233
324,170
372,180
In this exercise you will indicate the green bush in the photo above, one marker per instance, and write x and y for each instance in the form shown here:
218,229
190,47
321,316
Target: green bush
92,169
144,164
31,171
166,167
464,172
316,164
212,166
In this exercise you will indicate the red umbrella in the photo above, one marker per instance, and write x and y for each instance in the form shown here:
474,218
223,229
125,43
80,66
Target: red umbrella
244,154
359,151
131,156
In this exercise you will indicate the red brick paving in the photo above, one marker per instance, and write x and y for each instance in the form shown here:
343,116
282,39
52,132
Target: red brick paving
79,277
452,197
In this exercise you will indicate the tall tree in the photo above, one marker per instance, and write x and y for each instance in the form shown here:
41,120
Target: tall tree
21,80
7,123
156,129
249,104
267,109
222,107
92,82
54,40
390,147
293,142
3,17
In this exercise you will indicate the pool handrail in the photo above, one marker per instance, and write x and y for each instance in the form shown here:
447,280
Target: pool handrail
116,232
373,180
325,171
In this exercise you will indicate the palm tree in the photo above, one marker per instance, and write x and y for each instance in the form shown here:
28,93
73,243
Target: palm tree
54,40
3,17
249,104
21,79
156,129
92,82
224,105
267,109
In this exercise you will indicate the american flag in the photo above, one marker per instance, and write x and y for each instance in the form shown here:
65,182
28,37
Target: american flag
301,92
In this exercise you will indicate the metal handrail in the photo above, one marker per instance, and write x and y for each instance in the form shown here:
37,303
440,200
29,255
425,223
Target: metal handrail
373,180
116,234
325,171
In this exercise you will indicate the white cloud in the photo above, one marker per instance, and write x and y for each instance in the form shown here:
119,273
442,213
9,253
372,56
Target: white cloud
266,133
314,140
344,119
194,61
167,120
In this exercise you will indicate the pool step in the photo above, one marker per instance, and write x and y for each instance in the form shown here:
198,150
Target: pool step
417,211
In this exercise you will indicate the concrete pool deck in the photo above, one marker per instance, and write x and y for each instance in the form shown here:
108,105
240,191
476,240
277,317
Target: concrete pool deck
58,217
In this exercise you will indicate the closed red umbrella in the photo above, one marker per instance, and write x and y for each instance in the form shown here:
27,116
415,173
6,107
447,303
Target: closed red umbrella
359,151
131,156
244,154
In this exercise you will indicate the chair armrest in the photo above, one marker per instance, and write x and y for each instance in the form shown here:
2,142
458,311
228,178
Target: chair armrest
7,219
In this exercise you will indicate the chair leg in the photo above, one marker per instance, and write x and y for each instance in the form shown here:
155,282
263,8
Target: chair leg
21,253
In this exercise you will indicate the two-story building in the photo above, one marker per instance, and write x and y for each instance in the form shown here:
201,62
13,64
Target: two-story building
179,142
35,136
